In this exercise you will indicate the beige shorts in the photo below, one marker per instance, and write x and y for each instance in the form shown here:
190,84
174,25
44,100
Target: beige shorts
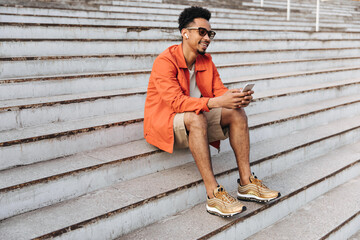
215,131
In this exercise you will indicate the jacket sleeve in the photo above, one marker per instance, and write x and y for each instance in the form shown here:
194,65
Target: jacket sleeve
218,86
164,74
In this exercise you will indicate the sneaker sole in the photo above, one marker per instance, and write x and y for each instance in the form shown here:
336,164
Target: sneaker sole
217,212
252,198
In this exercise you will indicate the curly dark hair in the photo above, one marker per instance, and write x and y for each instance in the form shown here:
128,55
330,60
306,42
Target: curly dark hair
189,14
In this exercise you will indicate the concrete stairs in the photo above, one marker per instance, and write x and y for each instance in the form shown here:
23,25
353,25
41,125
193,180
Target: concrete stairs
73,161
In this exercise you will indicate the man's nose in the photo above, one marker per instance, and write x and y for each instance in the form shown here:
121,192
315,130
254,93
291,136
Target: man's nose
206,37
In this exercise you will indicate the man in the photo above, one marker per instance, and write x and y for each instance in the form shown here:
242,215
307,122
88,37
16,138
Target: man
187,105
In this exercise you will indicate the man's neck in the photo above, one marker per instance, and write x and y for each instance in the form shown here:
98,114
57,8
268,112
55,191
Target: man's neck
189,55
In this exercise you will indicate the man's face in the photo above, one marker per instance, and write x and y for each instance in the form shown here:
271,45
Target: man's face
195,41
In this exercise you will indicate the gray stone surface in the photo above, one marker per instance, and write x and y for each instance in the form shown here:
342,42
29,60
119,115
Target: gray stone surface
196,222
99,48
312,221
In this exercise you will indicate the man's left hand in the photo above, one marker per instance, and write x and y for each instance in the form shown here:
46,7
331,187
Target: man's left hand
246,99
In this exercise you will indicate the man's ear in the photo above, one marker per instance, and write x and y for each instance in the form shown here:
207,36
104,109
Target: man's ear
184,34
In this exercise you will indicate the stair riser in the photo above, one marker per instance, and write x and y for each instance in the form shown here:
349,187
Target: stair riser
177,9
215,12
8,70
347,230
80,85
327,4
229,12
70,86
64,32
262,220
218,23
23,200
84,21
65,112
220,17
294,5
73,66
311,5
156,24
80,65
32,152
88,48
309,8
290,126
85,14
152,212
144,4
295,81
299,99
288,67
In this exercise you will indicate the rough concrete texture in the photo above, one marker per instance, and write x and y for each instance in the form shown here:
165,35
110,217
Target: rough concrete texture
313,220
72,85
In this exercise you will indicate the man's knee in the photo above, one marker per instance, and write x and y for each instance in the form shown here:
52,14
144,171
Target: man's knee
235,116
241,115
195,121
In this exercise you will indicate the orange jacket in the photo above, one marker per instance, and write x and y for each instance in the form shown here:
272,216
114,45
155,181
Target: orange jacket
168,93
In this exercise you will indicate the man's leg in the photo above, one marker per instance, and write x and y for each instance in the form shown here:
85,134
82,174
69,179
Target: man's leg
196,125
236,120
250,187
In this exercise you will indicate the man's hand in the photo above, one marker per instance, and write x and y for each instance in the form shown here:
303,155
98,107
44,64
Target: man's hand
232,99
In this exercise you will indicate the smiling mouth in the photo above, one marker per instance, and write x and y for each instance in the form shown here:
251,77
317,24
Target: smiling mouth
204,45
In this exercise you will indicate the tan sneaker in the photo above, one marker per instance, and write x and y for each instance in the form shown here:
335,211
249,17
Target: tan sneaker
224,205
256,191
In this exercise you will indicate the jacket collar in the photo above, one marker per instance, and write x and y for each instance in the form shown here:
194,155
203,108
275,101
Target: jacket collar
180,59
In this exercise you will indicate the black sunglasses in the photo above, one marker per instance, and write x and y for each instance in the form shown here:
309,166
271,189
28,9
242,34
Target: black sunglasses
203,31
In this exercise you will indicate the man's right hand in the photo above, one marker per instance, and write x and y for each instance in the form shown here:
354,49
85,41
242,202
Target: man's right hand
232,99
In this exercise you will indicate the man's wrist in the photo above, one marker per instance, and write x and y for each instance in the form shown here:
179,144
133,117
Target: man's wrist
212,103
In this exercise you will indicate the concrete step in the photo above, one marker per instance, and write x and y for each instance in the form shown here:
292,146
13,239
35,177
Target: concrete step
144,16
9,71
148,24
179,6
124,160
356,236
302,7
35,144
76,84
311,5
281,5
62,4
215,23
255,9
60,31
320,217
283,66
252,10
81,16
30,112
22,113
16,50
299,184
160,190
57,65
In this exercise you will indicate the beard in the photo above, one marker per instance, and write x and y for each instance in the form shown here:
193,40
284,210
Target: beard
201,52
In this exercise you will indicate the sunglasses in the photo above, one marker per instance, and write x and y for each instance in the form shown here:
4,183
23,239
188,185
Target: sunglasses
203,31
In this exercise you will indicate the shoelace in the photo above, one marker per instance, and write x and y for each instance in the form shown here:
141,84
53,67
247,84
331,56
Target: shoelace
223,195
258,182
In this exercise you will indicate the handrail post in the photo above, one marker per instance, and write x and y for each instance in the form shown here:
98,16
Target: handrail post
262,3
288,11
317,15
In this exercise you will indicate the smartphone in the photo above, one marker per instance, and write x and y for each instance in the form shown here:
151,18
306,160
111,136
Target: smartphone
248,87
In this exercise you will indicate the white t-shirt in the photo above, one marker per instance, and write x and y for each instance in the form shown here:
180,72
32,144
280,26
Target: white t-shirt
194,90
